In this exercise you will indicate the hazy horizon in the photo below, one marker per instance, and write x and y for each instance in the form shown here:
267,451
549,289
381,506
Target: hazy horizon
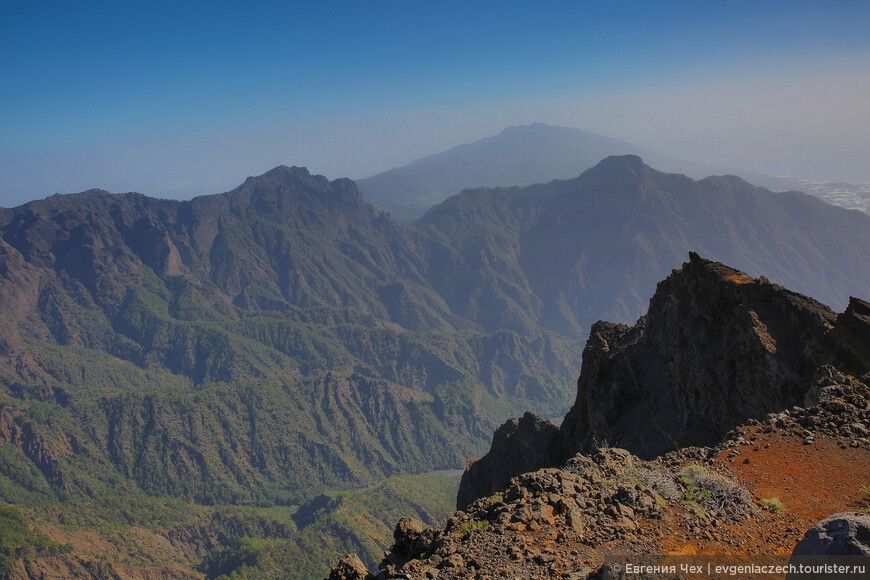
176,101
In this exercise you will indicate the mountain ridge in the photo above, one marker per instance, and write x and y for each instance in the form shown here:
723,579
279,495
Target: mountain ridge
259,348
187,288
622,225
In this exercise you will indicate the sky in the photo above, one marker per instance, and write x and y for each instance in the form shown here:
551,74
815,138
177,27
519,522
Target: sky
176,99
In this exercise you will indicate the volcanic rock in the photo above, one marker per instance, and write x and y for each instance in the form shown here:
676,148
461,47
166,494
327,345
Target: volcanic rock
518,446
715,349
349,568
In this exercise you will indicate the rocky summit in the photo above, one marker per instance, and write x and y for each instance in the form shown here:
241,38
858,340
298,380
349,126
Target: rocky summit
715,349
701,430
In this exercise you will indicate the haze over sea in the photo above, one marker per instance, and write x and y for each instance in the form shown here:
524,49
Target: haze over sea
177,100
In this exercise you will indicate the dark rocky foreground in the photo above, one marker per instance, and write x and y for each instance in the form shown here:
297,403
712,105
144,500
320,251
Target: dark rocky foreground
565,522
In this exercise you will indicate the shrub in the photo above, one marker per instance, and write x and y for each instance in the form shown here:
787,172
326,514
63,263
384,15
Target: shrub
698,489
773,505
662,483
715,492
495,498
697,469
473,525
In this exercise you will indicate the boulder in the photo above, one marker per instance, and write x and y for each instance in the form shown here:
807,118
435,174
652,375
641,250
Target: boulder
843,534
350,568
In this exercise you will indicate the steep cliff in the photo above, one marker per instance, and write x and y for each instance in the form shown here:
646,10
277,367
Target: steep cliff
716,348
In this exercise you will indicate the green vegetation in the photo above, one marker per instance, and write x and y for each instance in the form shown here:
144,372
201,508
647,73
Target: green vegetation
696,469
707,492
773,505
865,489
694,496
18,540
329,527
112,512
494,499
242,558
692,491
473,525
111,442
214,368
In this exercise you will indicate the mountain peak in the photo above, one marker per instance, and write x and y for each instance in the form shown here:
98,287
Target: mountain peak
622,162
518,156
289,175
282,191
529,128
707,324
283,170
626,170
299,179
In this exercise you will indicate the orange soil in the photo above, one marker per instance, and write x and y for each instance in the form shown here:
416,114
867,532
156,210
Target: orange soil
812,481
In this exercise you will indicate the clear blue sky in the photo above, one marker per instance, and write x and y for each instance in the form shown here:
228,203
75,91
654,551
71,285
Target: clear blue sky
184,98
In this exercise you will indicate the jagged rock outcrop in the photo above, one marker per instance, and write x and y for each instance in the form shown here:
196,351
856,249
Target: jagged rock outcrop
570,501
349,568
853,327
518,446
835,405
716,348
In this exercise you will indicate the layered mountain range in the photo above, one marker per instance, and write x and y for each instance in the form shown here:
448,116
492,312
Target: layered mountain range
260,348
567,253
252,349
518,156
538,153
